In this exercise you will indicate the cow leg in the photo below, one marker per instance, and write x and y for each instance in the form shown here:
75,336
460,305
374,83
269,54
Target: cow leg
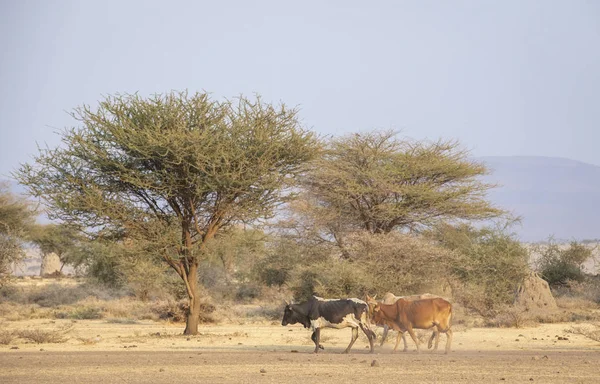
448,340
370,335
386,329
354,337
404,340
412,335
313,338
436,335
398,338
316,337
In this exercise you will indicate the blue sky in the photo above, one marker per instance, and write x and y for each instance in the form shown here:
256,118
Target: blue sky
503,77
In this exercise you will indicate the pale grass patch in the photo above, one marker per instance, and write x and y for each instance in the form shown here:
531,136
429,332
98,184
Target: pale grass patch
590,331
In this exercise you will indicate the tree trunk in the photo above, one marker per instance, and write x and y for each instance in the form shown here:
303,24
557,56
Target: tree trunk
191,325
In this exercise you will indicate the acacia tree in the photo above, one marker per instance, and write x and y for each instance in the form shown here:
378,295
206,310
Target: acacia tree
172,171
60,239
378,183
16,218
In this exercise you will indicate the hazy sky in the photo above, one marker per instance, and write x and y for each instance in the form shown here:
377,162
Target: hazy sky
503,77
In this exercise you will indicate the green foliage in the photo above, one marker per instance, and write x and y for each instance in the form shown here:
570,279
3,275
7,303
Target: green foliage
248,291
487,265
60,239
286,255
16,219
558,265
86,313
395,262
237,251
172,170
305,285
100,261
379,183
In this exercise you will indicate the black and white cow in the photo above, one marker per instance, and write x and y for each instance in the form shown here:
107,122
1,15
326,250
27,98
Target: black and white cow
318,313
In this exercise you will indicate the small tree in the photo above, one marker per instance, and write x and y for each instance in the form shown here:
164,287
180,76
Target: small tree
60,239
172,170
558,265
16,218
379,183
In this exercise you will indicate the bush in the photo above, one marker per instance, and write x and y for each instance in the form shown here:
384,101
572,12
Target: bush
486,266
6,337
216,280
248,291
559,265
176,311
274,276
304,286
393,262
286,259
40,336
87,313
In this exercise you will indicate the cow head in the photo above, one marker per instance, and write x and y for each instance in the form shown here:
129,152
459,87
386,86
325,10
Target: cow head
371,303
376,314
290,316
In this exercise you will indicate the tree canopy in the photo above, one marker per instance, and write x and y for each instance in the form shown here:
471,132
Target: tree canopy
172,170
16,218
379,183
60,239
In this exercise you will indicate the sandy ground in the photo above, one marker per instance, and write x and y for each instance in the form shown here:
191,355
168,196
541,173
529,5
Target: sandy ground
151,352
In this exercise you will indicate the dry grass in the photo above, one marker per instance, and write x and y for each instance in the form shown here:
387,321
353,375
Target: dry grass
89,340
41,336
570,302
121,321
591,331
6,337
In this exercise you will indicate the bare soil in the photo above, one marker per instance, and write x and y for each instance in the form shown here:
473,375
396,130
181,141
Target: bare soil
98,351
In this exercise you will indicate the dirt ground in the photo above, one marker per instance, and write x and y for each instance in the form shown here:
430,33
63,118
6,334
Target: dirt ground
98,351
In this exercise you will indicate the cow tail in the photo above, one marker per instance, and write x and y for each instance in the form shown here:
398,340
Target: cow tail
449,322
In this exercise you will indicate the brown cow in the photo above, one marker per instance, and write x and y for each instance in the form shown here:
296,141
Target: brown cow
404,315
390,298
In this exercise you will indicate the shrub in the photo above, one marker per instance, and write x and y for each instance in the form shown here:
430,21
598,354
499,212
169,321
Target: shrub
87,313
248,291
486,266
274,276
304,286
176,311
394,262
40,336
6,337
399,263
559,265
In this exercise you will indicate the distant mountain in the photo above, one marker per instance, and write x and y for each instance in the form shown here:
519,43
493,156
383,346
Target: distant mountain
554,196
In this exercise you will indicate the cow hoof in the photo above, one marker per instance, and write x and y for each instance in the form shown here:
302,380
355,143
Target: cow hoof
321,347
